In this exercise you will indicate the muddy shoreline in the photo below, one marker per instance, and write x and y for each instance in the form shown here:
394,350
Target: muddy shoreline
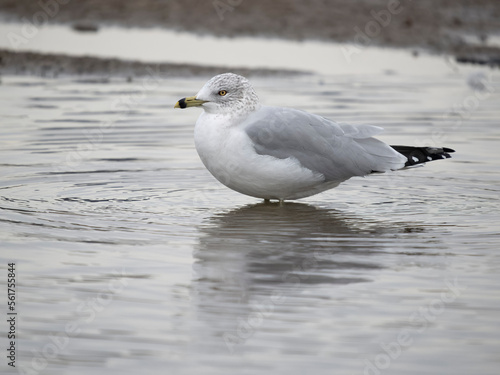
460,28
55,65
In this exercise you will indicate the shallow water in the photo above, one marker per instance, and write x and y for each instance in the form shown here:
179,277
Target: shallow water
131,258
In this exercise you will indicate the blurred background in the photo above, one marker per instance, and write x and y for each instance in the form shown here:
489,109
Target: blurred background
131,258
466,30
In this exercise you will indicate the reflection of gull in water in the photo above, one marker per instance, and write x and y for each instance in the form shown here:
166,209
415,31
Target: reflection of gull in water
261,242
246,255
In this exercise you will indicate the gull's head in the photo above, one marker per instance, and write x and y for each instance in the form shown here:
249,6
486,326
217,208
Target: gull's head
224,94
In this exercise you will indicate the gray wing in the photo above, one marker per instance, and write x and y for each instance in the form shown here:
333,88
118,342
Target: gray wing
338,151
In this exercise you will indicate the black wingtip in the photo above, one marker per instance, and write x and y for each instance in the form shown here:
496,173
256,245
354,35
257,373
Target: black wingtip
420,155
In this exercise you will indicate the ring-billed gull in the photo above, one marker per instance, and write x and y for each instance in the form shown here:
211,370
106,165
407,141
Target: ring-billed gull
285,153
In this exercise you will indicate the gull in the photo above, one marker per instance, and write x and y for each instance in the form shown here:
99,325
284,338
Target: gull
284,153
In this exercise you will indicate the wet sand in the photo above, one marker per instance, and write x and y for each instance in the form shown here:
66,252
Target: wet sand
55,65
460,28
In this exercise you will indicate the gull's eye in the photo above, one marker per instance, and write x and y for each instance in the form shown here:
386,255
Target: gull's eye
222,92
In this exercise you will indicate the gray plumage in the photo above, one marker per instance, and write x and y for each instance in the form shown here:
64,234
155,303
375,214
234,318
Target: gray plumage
338,151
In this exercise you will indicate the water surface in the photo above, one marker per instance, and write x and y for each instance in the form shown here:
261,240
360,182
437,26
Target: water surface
131,258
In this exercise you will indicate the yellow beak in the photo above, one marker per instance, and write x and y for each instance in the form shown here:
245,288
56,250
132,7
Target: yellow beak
189,102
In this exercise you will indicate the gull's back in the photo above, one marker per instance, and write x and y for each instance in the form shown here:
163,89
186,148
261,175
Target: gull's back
338,151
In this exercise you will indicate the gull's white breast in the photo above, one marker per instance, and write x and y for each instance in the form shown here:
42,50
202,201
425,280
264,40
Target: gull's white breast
228,153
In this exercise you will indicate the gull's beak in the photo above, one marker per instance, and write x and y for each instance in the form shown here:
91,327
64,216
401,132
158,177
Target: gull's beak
189,102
